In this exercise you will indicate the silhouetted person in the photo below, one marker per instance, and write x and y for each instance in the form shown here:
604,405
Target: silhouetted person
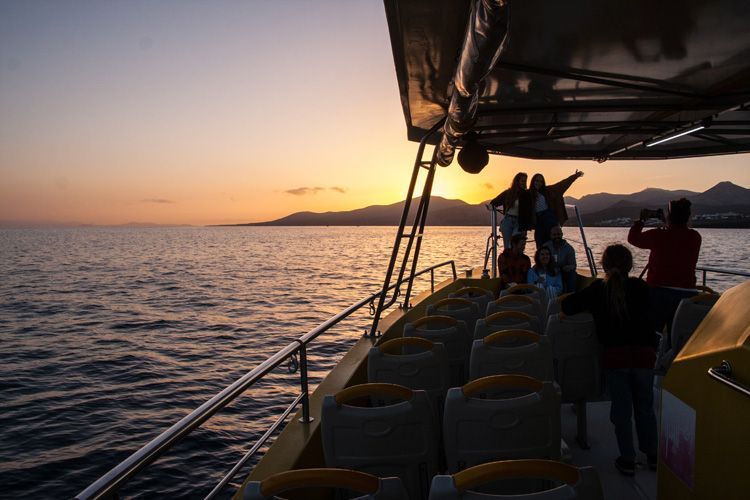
671,263
514,265
516,218
544,275
620,308
548,205
564,257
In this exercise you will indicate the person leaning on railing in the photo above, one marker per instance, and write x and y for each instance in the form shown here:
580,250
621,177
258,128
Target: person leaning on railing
516,205
671,263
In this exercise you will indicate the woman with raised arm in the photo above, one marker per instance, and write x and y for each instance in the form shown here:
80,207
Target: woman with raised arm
516,208
620,307
548,205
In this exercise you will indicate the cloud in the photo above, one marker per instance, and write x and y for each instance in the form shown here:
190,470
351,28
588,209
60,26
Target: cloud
487,185
156,200
304,191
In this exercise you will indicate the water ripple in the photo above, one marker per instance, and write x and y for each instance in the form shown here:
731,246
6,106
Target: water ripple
109,336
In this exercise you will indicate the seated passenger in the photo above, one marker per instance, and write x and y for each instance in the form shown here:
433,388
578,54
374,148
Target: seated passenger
544,275
564,257
620,306
513,264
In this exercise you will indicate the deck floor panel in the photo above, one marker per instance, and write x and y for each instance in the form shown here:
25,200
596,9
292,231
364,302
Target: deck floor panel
603,452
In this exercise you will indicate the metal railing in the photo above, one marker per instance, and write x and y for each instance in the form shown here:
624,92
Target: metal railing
719,270
108,485
491,247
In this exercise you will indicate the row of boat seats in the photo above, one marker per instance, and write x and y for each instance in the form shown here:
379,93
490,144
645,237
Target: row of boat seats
525,298
574,342
520,352
567,482
418,363
496,417
689,314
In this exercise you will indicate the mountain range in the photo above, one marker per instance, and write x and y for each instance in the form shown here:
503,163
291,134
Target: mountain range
724,205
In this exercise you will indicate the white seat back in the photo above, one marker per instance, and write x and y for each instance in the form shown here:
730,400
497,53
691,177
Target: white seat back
576,351
520,303
553,307
453,334
371,487
501,353
413,362
539,295
506,320
569,482
480,296
689,314
399,439
460,309
477,430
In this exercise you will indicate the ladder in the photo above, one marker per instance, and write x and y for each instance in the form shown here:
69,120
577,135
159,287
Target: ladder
413,238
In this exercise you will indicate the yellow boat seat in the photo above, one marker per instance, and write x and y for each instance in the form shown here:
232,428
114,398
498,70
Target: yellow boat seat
479,429
508,352
453,334
371,487
399,439
568,482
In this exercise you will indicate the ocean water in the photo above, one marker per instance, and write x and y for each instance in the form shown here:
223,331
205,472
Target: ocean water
110,335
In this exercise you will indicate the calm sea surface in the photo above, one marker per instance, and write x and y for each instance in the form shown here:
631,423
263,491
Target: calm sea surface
109,336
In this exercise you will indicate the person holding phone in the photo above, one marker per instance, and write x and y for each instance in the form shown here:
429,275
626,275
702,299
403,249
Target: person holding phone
671,263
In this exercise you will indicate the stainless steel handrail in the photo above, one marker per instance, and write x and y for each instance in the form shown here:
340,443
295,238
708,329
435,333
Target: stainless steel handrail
492,241
723,373
720,271
113,480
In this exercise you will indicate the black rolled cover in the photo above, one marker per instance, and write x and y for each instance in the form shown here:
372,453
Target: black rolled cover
484,41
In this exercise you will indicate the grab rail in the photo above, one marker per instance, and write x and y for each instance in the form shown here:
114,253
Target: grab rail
112,481
493,237
720,271
723,373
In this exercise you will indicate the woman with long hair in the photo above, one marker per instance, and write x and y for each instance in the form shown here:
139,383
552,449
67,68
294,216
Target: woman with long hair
620,307
548,205
517,215
544,274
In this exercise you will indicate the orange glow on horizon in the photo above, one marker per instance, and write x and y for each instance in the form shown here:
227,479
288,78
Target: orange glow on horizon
147,113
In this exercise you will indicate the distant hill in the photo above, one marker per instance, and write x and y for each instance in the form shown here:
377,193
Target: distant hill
442,212
724,205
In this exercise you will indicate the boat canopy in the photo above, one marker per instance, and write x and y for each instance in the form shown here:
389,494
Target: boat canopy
580,79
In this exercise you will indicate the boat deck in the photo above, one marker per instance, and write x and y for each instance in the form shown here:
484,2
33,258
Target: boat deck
602,454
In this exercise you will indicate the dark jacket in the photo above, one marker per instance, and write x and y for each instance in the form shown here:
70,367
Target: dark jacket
555,200
525,207
627,343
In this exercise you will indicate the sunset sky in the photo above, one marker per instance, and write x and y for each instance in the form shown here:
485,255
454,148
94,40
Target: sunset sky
191,112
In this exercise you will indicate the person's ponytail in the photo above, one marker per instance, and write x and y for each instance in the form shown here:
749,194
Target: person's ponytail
617,262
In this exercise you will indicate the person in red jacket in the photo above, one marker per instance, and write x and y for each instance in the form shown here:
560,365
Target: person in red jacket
671,263
513,263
